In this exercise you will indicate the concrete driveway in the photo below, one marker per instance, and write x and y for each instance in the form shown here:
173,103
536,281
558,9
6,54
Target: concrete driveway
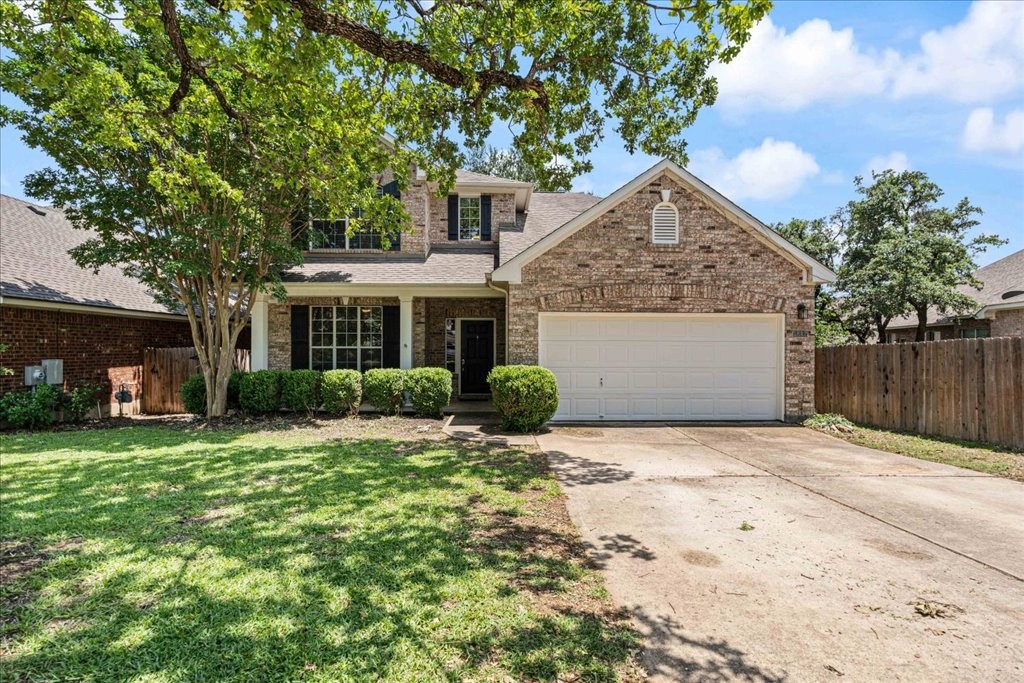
855,564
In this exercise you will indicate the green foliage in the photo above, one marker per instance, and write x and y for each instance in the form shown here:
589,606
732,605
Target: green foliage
81,399
4,371
818,237
30,409
235,389
193,394
430,390
342,391
905,253
300,390
828,421
260,391
525,396
384,388
509,163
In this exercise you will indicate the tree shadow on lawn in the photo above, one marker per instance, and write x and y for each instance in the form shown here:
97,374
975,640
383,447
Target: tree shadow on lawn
224,556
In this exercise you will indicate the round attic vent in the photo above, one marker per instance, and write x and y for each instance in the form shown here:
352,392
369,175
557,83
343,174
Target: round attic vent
1012,293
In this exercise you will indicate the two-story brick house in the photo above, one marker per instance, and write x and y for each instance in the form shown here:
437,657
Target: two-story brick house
661,301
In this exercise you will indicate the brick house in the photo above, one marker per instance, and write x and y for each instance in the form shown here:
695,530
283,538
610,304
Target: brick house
1000,310
97,323
661,301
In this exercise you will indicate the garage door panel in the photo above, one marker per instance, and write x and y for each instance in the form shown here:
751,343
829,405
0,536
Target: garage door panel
663,367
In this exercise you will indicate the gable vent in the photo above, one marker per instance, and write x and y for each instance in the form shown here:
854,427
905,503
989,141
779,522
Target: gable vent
665,224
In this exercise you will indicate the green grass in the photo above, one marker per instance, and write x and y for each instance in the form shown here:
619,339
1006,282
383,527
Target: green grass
169,555
967,454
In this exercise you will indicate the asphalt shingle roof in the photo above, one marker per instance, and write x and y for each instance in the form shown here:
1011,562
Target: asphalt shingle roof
35,264
998,279
470,177
443,266
548,212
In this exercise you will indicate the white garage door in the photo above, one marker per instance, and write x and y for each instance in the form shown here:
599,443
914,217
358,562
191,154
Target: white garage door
664,367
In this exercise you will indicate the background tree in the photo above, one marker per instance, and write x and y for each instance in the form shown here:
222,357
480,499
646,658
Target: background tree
908,254
188,133
509,163
822,239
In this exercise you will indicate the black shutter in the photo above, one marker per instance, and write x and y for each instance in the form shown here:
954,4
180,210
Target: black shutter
453,217
392,352
392,189
300,230
485,218
300,337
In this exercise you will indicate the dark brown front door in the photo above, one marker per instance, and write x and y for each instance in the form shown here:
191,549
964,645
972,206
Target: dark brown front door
477,355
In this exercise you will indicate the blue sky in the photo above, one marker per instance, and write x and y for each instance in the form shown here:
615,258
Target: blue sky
828,90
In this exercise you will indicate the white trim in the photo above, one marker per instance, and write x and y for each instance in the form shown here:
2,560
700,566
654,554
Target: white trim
780,321
458,346
458,222
334,335
16,302
260,335
814,272
405,332
391,290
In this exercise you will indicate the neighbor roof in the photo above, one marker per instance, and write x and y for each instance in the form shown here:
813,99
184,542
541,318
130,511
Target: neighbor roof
473,178
511,270
548,212
443,266
35,264
1002,288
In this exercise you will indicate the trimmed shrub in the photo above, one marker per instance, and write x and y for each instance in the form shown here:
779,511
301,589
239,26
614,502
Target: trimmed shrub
80,400
30,409
525,396
193,394
260,391
430,390
384,388
342,391
235,389
300,390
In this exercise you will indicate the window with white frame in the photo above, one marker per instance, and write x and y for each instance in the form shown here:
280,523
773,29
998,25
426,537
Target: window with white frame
665,224
469,218
332,233
346,337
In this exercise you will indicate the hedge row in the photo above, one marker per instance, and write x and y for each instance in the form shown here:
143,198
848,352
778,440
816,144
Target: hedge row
339,392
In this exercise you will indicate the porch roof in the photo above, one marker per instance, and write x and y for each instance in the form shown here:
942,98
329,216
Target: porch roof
459,267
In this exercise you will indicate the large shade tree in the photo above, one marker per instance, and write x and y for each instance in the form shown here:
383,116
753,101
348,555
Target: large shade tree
189,134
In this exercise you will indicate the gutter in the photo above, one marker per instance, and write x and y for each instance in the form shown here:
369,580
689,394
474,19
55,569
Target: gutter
491,284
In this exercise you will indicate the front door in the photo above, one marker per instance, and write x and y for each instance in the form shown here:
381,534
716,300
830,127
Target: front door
477,356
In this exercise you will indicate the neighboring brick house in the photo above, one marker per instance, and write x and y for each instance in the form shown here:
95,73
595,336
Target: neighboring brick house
1000,310
97,323
663,301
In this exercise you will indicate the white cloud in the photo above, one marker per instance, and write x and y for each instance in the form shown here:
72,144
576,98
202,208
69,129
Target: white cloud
787,71
774,170
982,133
976,60
895,161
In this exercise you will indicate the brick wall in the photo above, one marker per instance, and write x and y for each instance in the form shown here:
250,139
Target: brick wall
97,348
1008,323
415,199
436,311
717,267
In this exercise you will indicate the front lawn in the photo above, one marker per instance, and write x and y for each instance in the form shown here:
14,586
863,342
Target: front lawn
968,454
319,552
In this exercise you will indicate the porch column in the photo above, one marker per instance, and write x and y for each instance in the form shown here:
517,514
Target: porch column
405,332
258,359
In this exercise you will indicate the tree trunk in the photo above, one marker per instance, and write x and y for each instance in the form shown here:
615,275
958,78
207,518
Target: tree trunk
881,324
922,323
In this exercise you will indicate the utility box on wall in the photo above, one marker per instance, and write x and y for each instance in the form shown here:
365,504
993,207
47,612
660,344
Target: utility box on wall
34,374
54,369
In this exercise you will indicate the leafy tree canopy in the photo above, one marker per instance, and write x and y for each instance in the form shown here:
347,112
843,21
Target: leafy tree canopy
509,163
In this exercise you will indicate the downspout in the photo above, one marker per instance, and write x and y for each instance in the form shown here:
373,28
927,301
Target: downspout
491,284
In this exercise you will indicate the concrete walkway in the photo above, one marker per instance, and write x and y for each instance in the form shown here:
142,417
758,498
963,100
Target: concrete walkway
770,553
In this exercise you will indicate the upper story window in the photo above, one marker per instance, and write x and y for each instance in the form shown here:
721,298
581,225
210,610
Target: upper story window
333,234
469,218
665,224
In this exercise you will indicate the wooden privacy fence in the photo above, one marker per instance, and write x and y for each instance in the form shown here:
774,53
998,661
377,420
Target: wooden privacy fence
165,370
969,389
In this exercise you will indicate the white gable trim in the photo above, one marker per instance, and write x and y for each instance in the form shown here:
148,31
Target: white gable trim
512,270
